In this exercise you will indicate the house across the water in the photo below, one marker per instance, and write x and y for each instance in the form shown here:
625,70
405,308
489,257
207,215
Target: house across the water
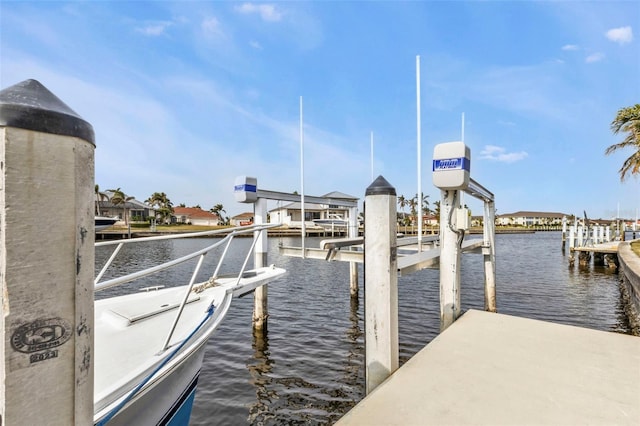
194,216
291,214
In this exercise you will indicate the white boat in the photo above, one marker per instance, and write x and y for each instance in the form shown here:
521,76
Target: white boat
332,220
103,222
149,345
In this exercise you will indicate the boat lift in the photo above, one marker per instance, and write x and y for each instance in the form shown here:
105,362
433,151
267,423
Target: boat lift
246,191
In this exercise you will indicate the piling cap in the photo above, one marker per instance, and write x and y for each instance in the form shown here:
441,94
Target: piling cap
31,106
380,186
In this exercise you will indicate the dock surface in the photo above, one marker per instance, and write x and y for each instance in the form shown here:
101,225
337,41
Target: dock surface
605,248
495,369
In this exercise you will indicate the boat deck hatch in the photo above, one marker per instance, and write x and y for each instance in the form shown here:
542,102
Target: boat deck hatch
133,312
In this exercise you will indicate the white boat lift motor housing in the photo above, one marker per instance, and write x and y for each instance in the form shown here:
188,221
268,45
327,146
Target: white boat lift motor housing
245,189
451,165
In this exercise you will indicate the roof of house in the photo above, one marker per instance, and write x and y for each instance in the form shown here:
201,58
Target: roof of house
245,215
341,195
298,206
533,214
105,201
193,212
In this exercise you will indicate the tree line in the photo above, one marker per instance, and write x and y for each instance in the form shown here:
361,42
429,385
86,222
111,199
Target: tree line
158,200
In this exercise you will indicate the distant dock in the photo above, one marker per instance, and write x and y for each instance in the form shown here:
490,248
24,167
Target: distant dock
490,368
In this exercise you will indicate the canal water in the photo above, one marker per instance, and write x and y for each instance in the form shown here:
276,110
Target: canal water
308,368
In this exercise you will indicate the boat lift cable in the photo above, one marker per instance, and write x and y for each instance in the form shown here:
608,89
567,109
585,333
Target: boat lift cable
454,205
124,402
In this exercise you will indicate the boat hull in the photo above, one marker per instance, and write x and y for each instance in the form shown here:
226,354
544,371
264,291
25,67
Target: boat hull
169,400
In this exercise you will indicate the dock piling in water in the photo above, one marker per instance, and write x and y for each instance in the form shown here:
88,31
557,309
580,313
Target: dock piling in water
260,296
381,284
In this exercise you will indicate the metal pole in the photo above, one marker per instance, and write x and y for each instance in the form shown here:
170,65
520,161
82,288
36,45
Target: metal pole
419,153
381,284
304,227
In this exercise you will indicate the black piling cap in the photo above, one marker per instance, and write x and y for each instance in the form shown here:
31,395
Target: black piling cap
380,186
31,106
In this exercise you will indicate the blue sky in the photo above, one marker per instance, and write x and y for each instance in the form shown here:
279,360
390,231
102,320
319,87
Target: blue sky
185,96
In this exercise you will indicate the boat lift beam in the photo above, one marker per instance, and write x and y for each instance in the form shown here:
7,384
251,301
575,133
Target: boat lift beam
246,191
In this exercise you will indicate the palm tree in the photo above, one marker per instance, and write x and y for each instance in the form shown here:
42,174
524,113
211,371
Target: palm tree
413,204
164,206
436,211
100,196
627,121
218,209
424,202
119,198
402,202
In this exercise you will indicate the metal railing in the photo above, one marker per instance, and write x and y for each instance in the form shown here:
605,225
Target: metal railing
231,233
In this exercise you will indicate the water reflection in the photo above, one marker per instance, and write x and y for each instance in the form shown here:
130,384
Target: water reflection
309,368
260,369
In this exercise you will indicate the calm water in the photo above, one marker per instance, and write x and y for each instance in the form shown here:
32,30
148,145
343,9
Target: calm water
308,369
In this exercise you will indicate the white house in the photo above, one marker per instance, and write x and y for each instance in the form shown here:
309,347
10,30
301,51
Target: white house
195,216
291,214
525,218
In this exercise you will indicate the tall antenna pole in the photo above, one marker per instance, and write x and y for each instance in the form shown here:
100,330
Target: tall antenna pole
304,228
371,156
462,136
419,154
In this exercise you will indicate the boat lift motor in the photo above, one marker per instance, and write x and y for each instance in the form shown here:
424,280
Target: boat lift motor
245,189
451,168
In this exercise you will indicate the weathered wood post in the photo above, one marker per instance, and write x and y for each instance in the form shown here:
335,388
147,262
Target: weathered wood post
245,190
451,168
47,259
580,236
489,252
564,232
260,296
353,266
449,263
572,237
381,283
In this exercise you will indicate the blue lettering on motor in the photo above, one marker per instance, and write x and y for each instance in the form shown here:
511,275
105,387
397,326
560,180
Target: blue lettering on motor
244,188
451,164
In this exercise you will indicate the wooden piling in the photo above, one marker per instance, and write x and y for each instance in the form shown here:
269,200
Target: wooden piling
260,296
47,165
449,263
381,283
489,252
353,266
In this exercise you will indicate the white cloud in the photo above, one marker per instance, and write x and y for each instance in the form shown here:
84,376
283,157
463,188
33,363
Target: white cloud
498,153
594,57
255,45
620,35
154,29
267,12
211,26
570,47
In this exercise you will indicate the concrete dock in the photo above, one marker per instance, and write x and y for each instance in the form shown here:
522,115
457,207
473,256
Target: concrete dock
495,369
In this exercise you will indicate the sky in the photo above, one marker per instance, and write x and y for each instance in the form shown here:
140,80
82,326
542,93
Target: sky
186,96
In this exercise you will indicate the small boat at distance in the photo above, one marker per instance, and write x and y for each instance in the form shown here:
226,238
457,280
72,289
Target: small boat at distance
149,345
104,222
332,220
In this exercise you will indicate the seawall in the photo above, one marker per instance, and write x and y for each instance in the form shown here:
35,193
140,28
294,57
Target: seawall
630,284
